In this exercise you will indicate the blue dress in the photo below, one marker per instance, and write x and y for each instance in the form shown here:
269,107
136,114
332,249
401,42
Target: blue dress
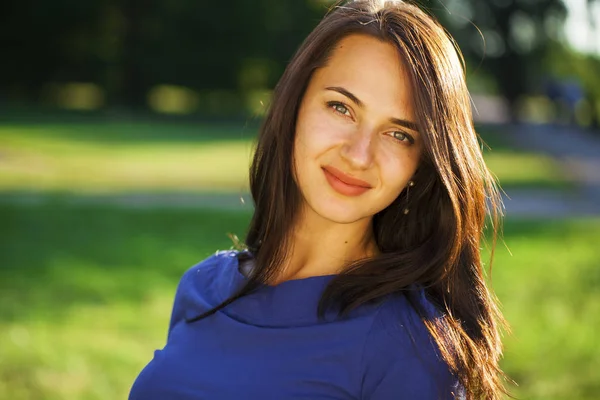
271,345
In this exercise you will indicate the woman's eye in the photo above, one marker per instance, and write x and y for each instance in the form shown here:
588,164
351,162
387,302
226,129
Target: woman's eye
403,137
340,108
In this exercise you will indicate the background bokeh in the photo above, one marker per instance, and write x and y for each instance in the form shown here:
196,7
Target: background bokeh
126,131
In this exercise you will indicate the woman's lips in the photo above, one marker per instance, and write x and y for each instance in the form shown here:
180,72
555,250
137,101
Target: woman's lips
345,184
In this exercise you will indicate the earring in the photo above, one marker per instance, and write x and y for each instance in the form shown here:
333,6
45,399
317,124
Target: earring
410,184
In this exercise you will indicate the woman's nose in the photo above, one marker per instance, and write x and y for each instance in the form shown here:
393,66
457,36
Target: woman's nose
358,150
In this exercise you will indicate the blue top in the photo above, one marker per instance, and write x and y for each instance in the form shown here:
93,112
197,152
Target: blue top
271,345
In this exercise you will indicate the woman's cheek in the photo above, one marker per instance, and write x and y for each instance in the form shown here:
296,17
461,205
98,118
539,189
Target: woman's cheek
393,164
323,134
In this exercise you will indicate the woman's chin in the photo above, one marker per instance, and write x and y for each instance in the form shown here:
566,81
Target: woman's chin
341,212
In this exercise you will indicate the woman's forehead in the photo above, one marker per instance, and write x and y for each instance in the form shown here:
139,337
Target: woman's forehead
370,69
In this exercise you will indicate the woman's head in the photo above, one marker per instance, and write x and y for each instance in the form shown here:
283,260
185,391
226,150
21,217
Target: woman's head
412,121
377,92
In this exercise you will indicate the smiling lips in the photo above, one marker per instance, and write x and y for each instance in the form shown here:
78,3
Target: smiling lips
343,183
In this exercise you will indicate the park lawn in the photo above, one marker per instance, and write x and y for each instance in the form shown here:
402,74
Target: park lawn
86,293
133,157
123,158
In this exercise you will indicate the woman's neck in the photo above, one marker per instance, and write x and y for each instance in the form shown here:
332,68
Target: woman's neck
323,247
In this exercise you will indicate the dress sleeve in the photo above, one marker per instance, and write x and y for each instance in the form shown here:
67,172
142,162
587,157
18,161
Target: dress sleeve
178,311
189,296
401,360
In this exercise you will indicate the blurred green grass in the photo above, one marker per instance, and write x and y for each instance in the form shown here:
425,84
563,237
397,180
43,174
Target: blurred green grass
86,293
127,157
124,158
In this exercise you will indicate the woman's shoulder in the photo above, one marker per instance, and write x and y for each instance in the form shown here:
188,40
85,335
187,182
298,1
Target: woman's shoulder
221,266
209,268
215,259
406,311
205,285
402,316
400,354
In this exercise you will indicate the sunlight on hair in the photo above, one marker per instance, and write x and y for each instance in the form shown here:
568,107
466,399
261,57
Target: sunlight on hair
377,5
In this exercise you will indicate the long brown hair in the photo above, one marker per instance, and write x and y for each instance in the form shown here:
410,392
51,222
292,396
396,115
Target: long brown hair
437,244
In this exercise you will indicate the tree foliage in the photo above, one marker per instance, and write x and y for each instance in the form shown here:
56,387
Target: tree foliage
128,46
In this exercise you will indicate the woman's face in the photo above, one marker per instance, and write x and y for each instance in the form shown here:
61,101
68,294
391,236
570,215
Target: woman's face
356,144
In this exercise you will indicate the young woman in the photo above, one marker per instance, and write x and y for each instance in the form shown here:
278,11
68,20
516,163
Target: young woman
362,277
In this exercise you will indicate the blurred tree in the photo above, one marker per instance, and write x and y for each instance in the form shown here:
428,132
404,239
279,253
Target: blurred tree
44,42
592,17
129,46
507,37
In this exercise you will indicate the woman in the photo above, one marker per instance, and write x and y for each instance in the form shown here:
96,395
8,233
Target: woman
362,277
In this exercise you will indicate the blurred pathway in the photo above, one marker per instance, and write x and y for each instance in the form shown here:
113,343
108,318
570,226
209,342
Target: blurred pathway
522,203
548,204
222,201
578,151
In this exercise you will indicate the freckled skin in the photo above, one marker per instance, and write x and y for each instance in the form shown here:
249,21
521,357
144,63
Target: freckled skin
362,142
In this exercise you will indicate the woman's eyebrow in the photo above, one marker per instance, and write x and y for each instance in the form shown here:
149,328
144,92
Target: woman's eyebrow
398,121
404,123
346,93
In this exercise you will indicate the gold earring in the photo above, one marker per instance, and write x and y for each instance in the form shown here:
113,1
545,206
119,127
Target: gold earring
410,184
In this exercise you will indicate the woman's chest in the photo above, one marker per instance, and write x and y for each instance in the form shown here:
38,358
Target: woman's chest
231,361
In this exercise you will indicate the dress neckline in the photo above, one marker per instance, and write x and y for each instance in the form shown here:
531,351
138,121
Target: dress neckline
290,303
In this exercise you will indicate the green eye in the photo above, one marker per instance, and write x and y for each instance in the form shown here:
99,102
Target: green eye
403,137
400,135
339,107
